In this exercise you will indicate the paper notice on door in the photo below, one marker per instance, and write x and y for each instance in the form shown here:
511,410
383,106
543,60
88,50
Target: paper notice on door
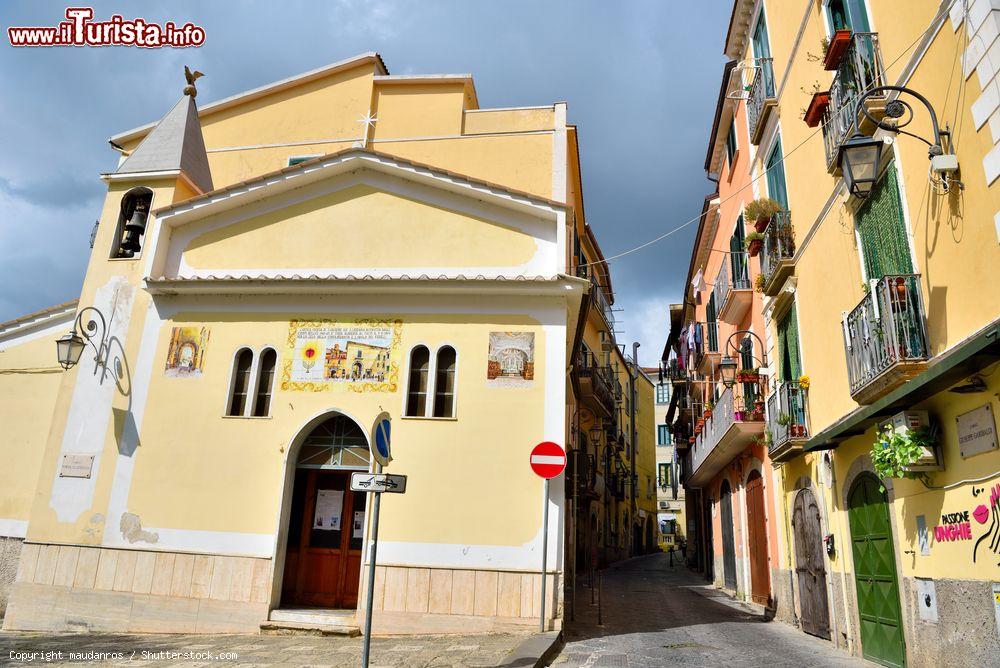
329,505
359,524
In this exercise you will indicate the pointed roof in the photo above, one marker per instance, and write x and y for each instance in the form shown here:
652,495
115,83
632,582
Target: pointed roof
176,143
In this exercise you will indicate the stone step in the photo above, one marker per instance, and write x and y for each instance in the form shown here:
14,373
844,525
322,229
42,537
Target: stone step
311,621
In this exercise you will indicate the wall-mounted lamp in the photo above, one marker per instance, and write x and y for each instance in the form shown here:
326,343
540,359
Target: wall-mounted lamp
69,348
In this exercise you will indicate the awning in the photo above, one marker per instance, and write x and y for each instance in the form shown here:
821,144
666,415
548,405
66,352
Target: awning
967,358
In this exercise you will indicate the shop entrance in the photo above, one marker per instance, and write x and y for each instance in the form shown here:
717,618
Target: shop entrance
327,521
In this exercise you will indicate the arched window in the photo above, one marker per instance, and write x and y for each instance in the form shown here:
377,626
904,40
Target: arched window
131,229
241,382
444,383
416,395
265,381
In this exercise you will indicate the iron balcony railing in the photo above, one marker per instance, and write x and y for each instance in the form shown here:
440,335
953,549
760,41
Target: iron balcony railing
734,274
602,379
885,329
860,70
761,89
597,293
788,413
671,370
706,339
779,243
743,402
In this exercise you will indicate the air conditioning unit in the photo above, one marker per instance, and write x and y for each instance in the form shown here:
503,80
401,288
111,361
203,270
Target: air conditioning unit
932,459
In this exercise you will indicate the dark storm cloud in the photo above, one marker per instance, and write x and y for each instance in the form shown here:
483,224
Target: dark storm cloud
640,79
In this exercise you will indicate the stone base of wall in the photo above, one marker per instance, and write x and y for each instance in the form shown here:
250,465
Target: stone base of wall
72,588
781,597
965,633
10,555
411,600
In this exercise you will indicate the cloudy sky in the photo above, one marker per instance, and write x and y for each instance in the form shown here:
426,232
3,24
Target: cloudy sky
640,84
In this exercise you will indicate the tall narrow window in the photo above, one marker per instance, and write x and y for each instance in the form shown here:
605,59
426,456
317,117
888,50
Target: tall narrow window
416,396
265,380
241,382
444,383
731,145
132,218
662,434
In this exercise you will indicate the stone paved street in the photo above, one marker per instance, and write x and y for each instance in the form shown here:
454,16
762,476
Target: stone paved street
201,650
655,615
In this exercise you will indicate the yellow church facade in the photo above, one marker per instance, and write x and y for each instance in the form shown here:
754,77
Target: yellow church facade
268,275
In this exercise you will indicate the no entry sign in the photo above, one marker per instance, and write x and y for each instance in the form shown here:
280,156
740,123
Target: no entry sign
548,460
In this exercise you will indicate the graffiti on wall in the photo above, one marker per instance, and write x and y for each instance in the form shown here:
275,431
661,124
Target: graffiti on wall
511,361
982,514
186,354
362,356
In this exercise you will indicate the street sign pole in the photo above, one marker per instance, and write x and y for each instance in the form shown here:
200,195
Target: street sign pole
545,544
369,603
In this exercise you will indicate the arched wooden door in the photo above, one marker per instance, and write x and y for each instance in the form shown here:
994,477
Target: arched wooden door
760,580
810,570
327,520
875,573
728,542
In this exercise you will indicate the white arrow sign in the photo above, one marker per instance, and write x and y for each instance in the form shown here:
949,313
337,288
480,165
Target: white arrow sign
378,482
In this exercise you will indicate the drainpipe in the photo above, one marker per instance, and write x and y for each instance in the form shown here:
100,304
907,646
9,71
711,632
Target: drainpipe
633,374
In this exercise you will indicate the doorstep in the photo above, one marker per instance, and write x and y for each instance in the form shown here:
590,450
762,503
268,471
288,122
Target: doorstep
311,621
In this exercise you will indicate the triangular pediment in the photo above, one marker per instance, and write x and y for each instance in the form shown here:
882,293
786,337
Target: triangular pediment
357,217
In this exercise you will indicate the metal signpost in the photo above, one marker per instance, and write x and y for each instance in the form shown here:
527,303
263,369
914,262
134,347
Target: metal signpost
547,460
376,483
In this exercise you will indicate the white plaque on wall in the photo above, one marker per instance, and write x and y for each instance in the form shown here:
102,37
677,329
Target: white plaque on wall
76,466
977,431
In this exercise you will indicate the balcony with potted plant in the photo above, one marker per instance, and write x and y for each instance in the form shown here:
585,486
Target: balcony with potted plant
857,69
737,418
885,337
788,418
777,253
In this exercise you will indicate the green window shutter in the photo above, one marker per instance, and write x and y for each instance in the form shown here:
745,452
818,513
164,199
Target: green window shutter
882,230
790,366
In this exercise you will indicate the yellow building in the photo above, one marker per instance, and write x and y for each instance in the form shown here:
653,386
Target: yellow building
881,307
268,275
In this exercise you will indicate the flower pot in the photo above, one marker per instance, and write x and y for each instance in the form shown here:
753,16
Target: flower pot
838,47
814,113
754,247
761,223
738,416
708,412
757,416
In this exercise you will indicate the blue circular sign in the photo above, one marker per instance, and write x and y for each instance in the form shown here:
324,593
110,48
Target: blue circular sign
382,433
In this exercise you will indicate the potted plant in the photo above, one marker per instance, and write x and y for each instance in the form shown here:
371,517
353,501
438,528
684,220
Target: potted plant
709,405
748,375
784,419
761,210
798,430
804,382
895,451
835,49
753,242
739,415
817,105
758,283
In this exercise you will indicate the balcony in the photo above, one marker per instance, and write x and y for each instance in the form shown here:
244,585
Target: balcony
761,101
600,299
736,420
885,337
860,70
734,295
707,347
788,420
777,252
596,383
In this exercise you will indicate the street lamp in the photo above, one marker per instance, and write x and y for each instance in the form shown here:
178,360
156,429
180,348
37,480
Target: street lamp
860,157
727,367
70,347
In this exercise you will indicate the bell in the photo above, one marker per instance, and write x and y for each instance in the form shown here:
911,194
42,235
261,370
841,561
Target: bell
134,230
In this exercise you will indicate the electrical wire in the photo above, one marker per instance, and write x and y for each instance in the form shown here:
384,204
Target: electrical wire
937,17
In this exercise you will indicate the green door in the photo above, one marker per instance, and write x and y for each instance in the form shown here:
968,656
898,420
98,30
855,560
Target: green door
875,573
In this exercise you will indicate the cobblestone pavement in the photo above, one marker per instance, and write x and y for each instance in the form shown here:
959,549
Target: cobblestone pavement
204,650
655,615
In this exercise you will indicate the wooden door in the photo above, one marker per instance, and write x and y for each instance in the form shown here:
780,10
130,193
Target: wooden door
875,573
810,570
728,542
323,556
760,580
